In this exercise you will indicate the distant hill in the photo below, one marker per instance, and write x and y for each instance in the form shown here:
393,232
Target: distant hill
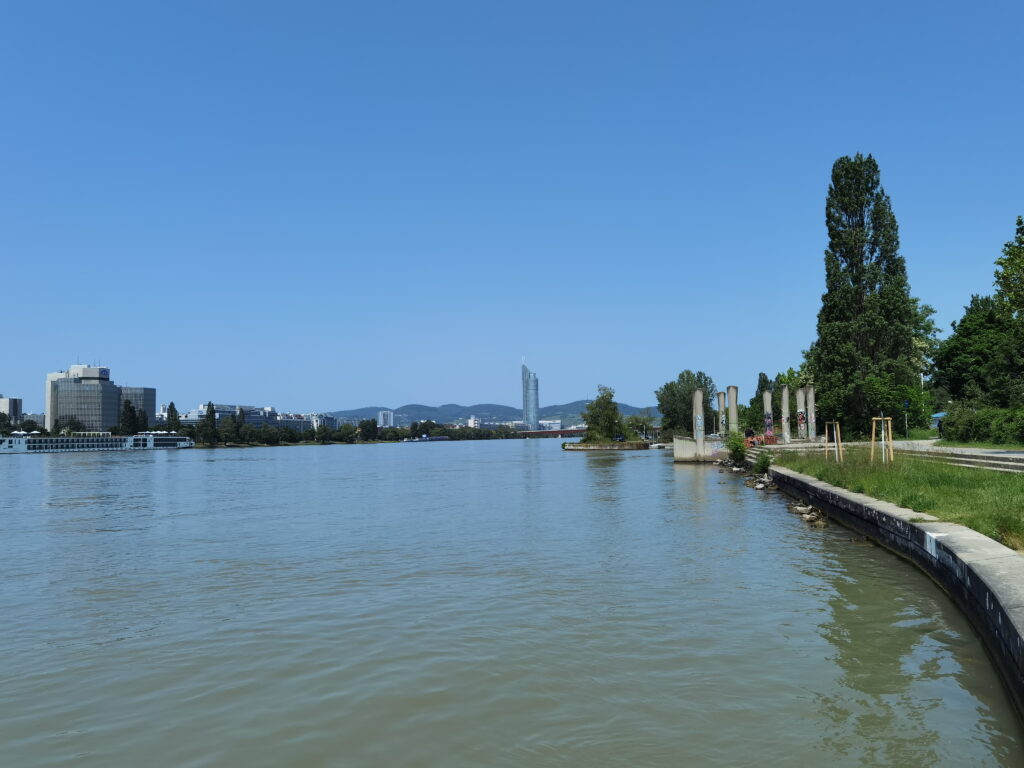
487,412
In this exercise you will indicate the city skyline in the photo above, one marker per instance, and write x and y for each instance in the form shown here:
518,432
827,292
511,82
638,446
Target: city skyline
659,174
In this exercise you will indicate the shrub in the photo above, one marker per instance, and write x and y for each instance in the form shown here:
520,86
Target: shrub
988,425
737,448
764,460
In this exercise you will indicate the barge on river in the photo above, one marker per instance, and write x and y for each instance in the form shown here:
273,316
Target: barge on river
22,442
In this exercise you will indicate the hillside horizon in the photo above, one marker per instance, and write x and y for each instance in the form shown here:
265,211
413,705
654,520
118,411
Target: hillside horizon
487,412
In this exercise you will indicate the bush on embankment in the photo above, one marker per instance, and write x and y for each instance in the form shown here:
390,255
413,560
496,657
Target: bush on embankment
965,424
987,501
736,446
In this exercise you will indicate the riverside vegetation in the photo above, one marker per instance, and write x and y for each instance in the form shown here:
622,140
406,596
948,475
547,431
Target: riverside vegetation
988,502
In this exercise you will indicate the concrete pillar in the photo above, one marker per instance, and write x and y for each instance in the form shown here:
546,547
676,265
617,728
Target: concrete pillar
721,413
769,420
786,437
734,411
698,420
801,413
812,428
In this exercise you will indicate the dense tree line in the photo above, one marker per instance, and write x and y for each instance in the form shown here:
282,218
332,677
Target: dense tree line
979,370
232,430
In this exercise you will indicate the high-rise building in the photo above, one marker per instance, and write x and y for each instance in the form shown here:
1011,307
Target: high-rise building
86,393
531,399
385,419
11,406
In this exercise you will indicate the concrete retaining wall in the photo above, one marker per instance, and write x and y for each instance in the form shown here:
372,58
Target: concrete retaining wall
606,446
984,578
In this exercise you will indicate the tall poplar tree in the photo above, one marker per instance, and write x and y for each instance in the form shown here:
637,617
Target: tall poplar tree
173,419
208,426
874,338
129,419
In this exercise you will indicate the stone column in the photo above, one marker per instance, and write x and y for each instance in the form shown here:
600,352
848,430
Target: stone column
812,428
734,411
801,413
786,437
721,413
698,420
769,420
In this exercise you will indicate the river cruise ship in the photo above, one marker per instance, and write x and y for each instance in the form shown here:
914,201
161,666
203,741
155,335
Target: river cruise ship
22,442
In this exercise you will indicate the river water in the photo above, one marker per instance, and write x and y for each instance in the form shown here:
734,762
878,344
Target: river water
463,604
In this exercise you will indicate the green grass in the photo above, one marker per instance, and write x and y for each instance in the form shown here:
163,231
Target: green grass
990,502
921,434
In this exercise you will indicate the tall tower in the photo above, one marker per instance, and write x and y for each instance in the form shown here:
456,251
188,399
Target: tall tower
531,399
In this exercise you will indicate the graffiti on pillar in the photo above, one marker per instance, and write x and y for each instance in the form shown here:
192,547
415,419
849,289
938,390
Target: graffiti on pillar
698,426
801,424
769,424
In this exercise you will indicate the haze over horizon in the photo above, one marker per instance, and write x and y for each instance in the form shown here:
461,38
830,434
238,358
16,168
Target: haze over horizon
326,206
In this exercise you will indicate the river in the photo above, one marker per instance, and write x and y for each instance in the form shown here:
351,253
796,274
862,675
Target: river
493,603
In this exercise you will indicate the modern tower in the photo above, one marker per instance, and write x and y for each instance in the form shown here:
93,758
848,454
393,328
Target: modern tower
531,399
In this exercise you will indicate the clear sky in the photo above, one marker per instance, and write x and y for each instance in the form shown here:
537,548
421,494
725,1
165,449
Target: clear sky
326,205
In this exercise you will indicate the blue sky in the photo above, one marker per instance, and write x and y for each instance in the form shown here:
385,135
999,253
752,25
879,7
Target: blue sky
330,205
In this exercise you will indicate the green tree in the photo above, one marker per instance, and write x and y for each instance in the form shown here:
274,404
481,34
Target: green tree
1010,272
368,430
982,361
248,434
675,401
602,417
641,423
173,419
6,427
65,425
754,415
208,427
345,433
874,338
229,429
129,424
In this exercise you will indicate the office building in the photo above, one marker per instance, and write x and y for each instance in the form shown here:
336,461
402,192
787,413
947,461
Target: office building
86,394
143,400
531,399
385,419
11,407
317,420
248,414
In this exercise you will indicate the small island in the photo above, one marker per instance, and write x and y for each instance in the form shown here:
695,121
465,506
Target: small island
606,430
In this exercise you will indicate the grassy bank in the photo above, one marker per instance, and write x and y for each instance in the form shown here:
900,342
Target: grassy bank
991,503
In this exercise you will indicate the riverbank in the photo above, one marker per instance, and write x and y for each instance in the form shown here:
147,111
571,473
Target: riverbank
987,502
983,578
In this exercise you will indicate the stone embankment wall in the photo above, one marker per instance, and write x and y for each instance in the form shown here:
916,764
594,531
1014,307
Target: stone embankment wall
984,578
635,446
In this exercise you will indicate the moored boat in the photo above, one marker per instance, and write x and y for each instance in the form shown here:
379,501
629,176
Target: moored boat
23,442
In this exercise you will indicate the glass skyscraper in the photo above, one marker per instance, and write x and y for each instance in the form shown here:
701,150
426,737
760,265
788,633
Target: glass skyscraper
531,399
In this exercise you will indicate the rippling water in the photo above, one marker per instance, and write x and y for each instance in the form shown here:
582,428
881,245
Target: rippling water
463,604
